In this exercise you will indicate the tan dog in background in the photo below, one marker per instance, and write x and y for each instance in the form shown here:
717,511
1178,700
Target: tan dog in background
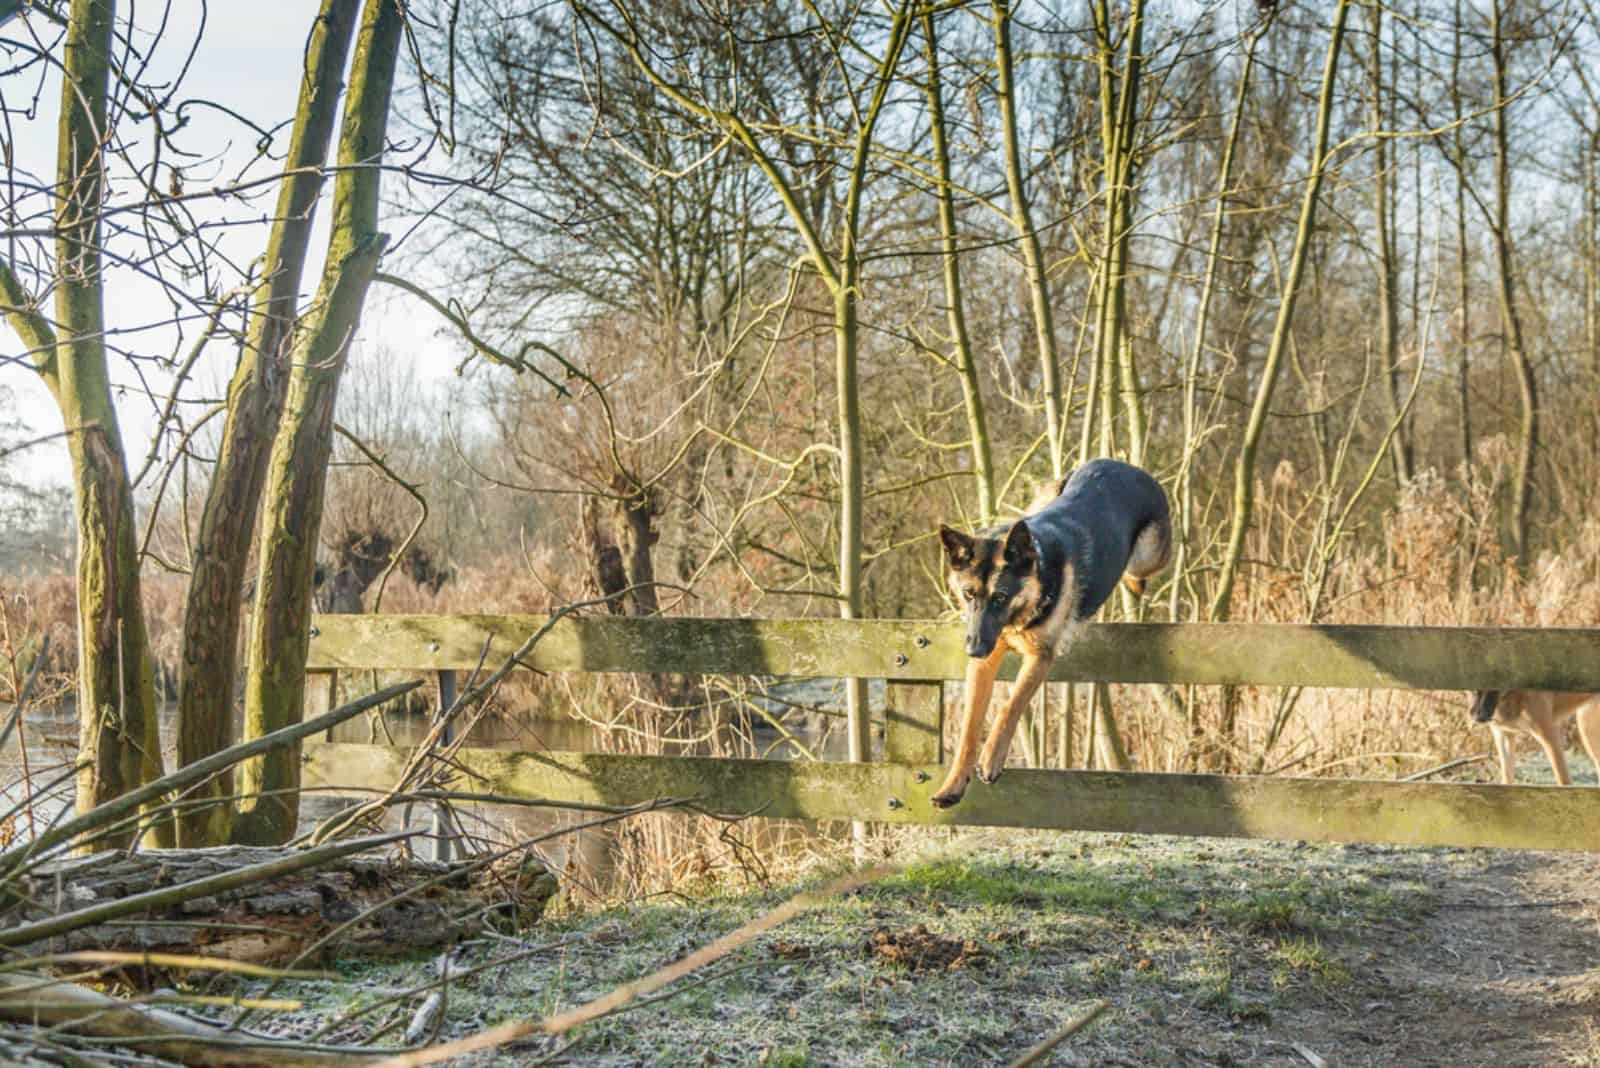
1543,714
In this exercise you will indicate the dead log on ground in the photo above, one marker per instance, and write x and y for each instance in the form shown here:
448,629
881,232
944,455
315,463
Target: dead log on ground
398,906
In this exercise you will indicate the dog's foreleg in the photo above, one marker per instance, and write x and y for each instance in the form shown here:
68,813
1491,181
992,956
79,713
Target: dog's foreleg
1544,732
980,687
1503,746
1035,669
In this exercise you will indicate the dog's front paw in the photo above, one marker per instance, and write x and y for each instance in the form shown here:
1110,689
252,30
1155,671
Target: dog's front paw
949,796
990,767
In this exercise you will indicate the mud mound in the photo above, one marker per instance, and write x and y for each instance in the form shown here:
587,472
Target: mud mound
920,950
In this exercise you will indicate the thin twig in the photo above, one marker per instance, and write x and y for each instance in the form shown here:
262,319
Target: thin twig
1035,1053
1446,766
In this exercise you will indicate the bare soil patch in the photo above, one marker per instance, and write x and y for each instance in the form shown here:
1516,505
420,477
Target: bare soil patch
918,949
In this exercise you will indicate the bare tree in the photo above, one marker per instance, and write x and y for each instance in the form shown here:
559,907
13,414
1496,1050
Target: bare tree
297,472
255,403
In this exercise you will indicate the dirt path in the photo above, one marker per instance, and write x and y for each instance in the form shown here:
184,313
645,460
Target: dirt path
1501,969
1503,972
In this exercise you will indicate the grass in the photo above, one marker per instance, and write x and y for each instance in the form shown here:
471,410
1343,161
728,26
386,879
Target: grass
1199,936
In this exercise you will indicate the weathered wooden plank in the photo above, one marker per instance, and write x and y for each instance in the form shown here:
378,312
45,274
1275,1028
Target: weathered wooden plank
914,723
1323,810
1368,657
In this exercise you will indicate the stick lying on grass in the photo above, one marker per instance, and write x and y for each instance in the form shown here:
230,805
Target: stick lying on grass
43,1002
1036,1053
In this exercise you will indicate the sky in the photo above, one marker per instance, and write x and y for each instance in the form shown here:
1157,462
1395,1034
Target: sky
250,59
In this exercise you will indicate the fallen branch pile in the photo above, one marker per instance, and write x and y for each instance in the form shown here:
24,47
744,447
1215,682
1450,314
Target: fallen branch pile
259,904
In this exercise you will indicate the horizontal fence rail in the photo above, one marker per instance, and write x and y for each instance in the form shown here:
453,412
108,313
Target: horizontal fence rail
915,656
1318,810
1263,654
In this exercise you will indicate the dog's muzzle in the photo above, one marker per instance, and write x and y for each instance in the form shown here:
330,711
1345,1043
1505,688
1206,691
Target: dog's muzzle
983,631
1484,704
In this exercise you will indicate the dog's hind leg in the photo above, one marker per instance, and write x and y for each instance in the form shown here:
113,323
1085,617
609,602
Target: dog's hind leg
1035,669
980,687
1550,742
1504,745
1151,551
1588,717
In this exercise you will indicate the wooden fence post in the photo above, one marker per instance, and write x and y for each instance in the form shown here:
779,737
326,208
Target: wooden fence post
442,832
914,723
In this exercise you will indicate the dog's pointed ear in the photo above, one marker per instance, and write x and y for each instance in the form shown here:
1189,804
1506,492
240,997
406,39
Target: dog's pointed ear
957,546
1019,545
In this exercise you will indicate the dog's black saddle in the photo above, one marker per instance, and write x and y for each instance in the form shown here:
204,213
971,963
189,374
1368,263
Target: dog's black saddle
1093,523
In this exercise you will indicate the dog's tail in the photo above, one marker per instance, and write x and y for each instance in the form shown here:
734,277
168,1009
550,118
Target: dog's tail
1151,551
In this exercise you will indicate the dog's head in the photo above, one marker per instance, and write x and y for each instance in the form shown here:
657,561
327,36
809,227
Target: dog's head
995,579
1484,702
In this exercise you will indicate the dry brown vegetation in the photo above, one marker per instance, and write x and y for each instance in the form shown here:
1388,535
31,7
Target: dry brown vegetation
1427,560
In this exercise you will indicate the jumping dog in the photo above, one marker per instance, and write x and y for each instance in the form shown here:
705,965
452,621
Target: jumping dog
1543,714
1027,585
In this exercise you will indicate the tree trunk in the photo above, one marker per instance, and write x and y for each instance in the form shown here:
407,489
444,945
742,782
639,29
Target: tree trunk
605,559
846,293
118,727
1119,116
297,473
637,532
255,403
1191,376
1510,319
1463,271
1244,465
955,310
850,498
1044,328
1383,235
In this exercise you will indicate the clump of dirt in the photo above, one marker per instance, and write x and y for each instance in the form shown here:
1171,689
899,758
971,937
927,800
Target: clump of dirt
919,950
786,950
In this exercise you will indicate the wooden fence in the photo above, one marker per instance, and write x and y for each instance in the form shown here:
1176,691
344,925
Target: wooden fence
917,657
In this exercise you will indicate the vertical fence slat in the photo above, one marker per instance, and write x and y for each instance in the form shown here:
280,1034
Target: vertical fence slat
914,723
321,696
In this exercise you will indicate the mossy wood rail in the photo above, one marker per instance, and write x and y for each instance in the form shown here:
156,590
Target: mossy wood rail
915,656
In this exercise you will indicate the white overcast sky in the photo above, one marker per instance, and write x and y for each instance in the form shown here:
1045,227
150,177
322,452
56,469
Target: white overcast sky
250,59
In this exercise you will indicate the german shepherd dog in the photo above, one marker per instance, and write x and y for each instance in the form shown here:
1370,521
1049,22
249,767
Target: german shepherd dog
1027,585
1541,713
